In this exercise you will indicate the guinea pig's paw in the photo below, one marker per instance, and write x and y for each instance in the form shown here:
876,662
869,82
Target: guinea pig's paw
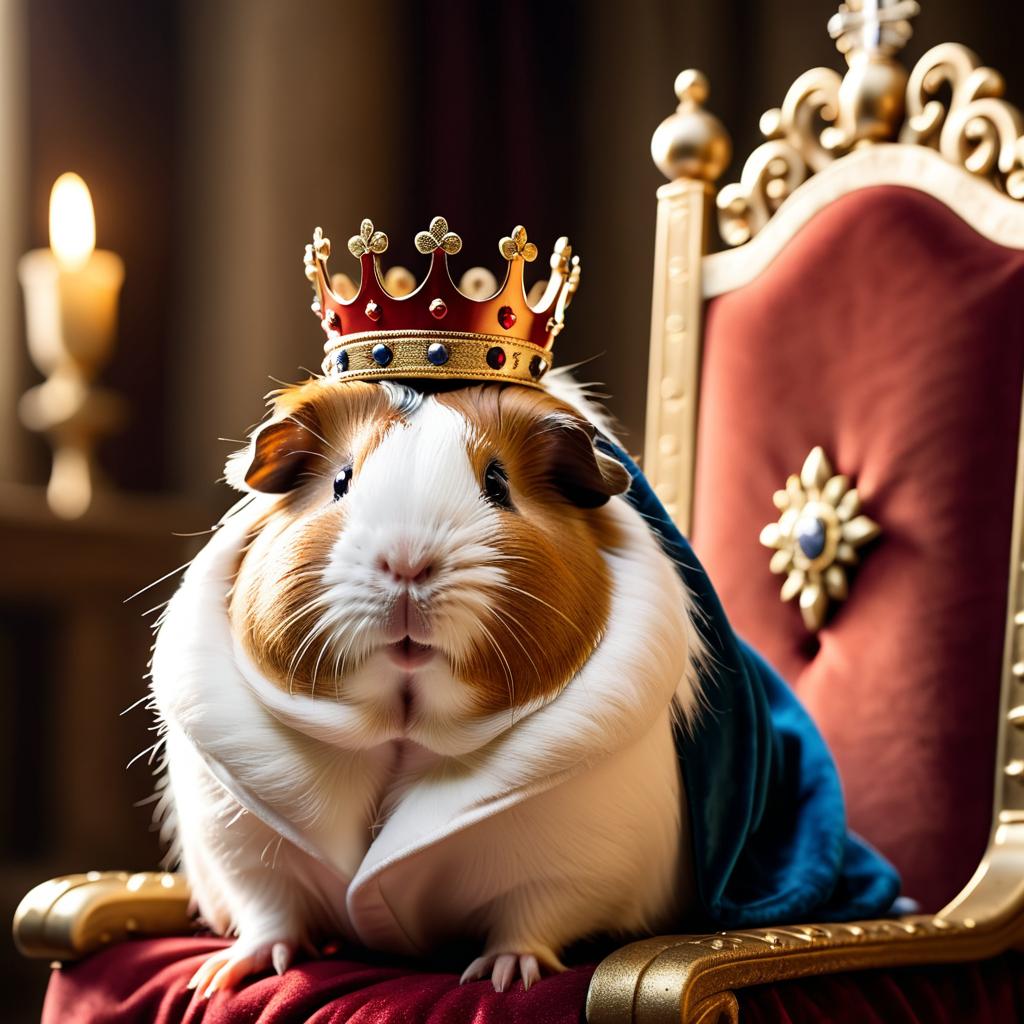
225,968
506,968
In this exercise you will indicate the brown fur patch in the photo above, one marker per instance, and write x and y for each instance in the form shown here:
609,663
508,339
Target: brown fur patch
279,578
555,610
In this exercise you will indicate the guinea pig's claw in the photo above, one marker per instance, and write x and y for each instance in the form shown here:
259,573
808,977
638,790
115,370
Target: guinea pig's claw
227,967
476,970
529,968
504,968
504,972
281,957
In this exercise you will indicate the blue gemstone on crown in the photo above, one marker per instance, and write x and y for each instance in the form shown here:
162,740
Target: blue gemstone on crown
810,535
382,355
437,354
341,360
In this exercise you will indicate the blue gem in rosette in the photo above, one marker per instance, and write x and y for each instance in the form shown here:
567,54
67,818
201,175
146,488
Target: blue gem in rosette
810,535
341,360
382,355
437,354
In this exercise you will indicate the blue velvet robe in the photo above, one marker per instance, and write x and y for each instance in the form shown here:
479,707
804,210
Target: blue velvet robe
768,821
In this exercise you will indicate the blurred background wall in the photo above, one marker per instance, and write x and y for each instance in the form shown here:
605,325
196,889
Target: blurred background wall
215,134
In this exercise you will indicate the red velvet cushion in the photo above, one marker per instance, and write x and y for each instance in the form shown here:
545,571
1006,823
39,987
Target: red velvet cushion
892,334
144,983
991,992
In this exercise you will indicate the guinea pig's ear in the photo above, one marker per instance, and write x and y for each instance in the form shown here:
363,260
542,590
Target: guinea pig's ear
582,472
275,458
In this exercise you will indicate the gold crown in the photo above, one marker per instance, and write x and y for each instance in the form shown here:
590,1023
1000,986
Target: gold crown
389,327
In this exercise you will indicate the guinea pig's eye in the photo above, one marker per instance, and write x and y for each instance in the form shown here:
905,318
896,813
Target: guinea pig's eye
341,482
496,485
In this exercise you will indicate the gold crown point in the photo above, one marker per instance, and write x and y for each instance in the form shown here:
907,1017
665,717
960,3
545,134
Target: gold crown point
437,236
517,247
368,240
321,246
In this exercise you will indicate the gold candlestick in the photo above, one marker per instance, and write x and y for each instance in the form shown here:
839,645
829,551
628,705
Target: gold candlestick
71,293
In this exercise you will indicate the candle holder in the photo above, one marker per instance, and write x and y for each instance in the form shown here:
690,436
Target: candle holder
71,320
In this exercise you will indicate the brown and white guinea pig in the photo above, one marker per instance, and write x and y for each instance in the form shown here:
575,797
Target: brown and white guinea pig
420,686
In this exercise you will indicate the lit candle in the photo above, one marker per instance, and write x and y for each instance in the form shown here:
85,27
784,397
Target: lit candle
71,294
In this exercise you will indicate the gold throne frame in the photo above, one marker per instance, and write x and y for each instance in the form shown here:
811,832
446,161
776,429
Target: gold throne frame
876,125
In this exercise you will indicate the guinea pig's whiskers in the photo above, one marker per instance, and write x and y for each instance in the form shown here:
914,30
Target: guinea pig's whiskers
316,455
152,751
323,440
505,614
340,660
297,575
304,609
526,593
300,650
508,669
311,636
277,850
328,626
316,664
146,698
150,586
156,607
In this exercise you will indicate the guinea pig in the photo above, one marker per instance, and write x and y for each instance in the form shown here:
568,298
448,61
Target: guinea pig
421,684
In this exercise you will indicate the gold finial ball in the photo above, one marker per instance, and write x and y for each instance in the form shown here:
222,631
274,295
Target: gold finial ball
691,143
691,84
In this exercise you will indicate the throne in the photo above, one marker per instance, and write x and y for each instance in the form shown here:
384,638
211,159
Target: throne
835,418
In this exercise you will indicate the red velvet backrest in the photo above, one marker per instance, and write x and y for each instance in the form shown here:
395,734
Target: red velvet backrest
892,334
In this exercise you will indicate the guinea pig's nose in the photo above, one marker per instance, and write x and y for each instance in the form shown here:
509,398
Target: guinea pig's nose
405,568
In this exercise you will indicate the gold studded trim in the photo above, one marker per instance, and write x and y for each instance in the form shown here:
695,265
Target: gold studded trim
467,357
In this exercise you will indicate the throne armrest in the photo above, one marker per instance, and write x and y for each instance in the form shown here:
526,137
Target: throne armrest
689,979
70,916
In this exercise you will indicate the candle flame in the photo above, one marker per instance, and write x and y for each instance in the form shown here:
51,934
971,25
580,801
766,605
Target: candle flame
72,224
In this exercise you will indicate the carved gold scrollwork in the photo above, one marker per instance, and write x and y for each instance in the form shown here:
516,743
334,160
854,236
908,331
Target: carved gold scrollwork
803,137
813,98
770,174
825,116
978,130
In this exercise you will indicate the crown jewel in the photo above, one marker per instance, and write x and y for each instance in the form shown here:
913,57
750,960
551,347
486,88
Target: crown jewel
389,327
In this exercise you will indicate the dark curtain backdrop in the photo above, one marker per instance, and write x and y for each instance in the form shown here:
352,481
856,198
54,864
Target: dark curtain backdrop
216,135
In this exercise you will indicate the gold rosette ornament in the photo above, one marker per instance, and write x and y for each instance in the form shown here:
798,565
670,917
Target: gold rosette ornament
816,537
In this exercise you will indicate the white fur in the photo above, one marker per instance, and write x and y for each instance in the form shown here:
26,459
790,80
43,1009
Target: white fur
300,817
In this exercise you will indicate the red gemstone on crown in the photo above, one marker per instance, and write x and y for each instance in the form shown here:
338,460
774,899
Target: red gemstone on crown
373,310
506,317
438,308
